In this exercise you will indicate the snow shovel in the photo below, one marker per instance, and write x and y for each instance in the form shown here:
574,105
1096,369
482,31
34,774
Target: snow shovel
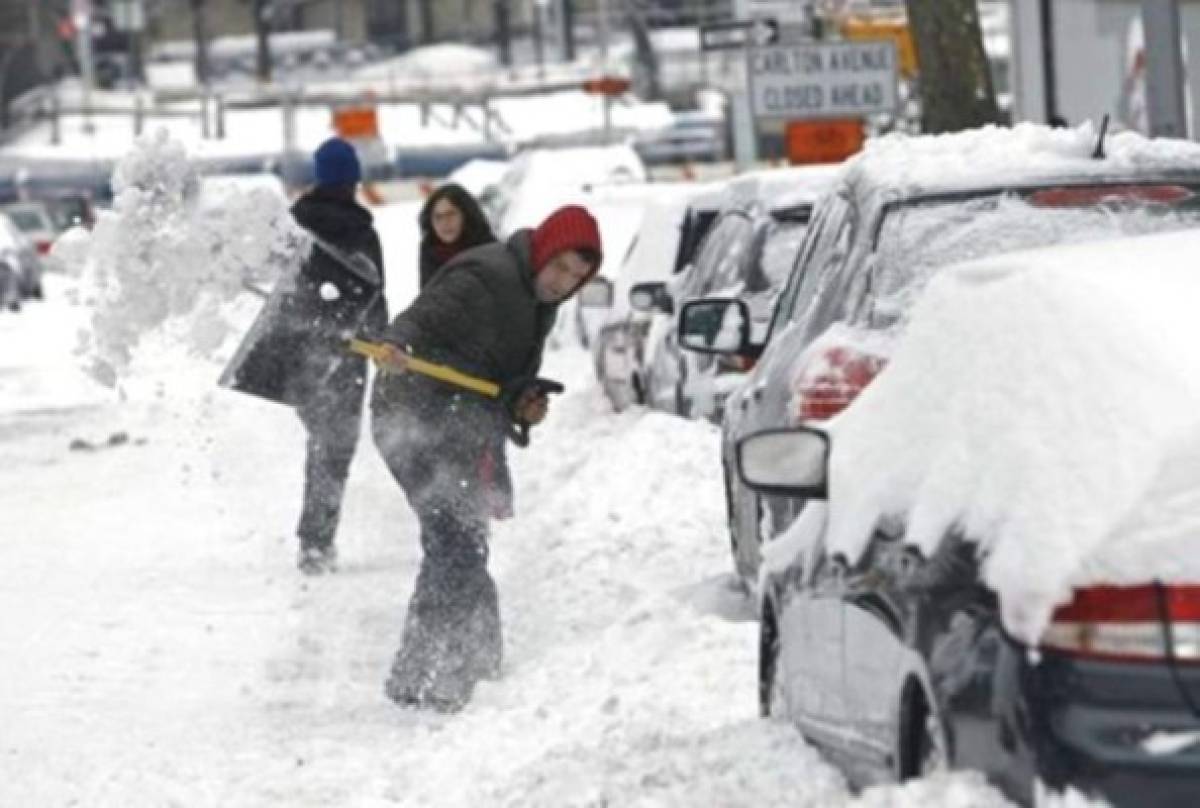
452,376
443,373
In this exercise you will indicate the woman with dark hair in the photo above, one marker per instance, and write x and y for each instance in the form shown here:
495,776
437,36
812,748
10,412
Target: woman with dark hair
451,221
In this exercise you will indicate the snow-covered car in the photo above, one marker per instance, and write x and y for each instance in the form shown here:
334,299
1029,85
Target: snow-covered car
536,177
671,230
71,209
24,266
999,568
35,221
900,211
618,211
746,254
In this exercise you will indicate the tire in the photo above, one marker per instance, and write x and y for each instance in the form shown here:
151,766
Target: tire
922,751
732,522
770,689
683,405
639,394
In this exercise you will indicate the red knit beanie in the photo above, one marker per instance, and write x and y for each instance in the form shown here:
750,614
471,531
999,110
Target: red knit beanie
570,227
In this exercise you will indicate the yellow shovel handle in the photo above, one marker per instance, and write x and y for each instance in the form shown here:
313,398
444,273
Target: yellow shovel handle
378,352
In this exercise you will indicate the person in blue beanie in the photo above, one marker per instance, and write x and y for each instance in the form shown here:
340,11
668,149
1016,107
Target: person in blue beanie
332,410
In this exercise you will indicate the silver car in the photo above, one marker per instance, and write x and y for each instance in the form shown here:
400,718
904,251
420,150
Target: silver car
22,266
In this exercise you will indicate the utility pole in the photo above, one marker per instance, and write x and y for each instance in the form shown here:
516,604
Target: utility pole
602,10
538,46
1164,69
503,31
568,18
262,29
81,15
200,36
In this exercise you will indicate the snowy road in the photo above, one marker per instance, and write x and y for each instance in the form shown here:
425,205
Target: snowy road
159,647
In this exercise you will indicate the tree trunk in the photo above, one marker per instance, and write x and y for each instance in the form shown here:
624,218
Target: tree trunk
425,10
956,84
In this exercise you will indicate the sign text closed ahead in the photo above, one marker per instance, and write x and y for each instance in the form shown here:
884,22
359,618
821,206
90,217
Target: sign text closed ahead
823,80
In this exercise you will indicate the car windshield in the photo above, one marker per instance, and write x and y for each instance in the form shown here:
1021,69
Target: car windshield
27,220
67,212
917,239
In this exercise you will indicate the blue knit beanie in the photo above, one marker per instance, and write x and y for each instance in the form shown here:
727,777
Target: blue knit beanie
336,163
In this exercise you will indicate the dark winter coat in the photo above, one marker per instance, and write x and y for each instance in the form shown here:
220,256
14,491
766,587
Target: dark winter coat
480,314
476,231
296,350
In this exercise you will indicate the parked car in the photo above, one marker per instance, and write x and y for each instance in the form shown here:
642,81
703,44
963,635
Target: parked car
519,198
746,254
69,210
998,567
671,229
24,267
897,214
34,220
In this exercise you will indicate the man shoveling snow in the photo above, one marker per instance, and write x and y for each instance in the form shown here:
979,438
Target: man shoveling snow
486,314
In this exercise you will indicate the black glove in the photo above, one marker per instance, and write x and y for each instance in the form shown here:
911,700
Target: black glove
513,394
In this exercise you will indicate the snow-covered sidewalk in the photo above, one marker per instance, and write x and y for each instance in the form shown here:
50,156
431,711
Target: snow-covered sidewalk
160,648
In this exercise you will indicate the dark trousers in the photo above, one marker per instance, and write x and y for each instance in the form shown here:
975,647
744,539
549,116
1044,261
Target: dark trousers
452,633
332,421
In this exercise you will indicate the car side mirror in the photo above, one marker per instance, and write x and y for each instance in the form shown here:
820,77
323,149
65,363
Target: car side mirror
715,326
786,462
651,297
596,294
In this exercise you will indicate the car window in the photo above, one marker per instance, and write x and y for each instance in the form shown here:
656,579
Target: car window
783,307
718,262
917,239
815,298
781,243
27,220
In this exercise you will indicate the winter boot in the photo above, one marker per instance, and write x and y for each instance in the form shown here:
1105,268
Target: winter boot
317,560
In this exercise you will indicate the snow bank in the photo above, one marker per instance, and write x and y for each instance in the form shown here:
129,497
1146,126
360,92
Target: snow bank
162,260
1046,404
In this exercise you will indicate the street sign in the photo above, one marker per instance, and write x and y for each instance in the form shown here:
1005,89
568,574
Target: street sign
729,35
829,141
823,80
356,123
788,11
607,86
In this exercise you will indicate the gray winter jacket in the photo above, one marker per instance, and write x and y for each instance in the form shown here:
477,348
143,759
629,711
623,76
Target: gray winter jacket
480,314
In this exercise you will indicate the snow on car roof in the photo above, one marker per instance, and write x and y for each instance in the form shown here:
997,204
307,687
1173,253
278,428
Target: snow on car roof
1045,404
1009,156
781,187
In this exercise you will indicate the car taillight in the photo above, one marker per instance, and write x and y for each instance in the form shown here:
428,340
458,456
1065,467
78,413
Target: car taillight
735,364
43,247
828,385
1126,623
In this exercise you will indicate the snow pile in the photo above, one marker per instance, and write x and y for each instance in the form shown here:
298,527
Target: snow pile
1046,404
162,260
167,652
1004,155
435,63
